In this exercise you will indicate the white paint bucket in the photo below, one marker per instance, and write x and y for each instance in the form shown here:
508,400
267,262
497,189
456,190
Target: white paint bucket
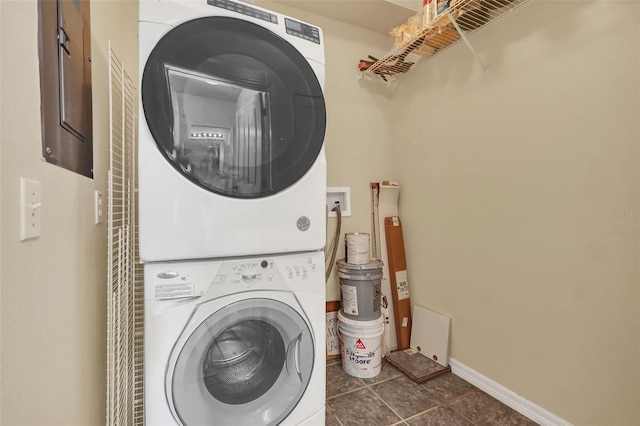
356,248
361,346
360,289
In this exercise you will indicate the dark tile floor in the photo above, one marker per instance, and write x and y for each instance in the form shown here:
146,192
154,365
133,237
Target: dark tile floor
392,398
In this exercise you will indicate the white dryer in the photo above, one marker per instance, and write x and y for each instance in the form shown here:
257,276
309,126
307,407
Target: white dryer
236,341
231,132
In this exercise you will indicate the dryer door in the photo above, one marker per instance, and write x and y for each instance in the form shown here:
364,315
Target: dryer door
249,363
233,107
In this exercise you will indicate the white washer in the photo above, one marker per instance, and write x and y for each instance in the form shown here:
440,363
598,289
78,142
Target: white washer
235,341
231,131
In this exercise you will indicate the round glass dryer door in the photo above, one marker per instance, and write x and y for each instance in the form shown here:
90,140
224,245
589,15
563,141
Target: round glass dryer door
247,364
234,107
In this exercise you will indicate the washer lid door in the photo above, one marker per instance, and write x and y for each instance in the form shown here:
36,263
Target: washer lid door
249,363
233,107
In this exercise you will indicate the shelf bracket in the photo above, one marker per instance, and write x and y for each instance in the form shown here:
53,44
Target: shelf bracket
485,70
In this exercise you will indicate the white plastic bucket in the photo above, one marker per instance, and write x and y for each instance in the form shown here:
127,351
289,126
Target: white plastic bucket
360,290
361,346
356,248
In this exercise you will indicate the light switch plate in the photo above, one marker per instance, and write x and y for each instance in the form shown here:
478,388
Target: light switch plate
30,209
97,207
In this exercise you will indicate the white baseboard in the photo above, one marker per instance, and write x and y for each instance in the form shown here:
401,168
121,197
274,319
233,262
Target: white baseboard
506,396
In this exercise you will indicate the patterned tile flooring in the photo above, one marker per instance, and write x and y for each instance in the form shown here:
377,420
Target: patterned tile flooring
391,398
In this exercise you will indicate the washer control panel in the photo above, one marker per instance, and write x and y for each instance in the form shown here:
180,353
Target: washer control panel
181,280
256,270
248,272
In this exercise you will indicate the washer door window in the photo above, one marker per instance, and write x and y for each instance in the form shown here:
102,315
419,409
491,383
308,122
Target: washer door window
233,107
247,364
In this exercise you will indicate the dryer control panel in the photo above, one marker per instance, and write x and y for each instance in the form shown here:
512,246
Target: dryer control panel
244,9
293,27
301,30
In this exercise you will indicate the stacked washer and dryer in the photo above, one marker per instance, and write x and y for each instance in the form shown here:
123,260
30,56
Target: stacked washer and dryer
232,187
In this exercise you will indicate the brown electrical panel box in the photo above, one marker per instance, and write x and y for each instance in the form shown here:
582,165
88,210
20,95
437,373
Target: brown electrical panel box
399,283
64,46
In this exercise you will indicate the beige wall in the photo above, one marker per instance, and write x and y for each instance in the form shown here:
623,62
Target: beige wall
53,305
508,187
511,190
511,187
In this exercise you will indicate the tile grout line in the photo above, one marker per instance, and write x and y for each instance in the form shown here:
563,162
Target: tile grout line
442,403
456,411
335,416
364,385
388,406
368,386
423,412
346,393
445,403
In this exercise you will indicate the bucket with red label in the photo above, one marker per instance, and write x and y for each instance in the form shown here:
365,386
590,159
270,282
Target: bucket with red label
361,346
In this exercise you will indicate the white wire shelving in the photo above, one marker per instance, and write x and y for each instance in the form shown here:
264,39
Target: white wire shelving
461,19
125,287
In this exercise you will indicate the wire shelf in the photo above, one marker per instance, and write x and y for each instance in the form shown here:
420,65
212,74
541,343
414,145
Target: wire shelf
125,287
462,18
